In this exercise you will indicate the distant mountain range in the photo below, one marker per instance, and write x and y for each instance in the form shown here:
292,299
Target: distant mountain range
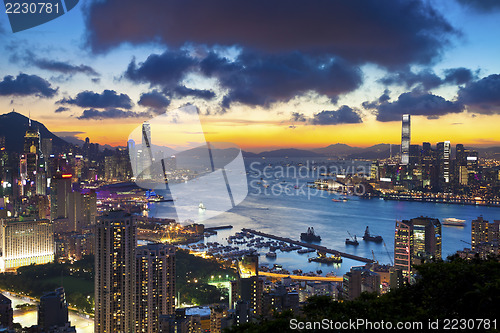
13,127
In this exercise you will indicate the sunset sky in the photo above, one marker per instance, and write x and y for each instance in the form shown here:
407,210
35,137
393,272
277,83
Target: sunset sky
264,74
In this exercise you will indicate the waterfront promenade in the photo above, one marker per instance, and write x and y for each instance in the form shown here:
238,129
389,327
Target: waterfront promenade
308,245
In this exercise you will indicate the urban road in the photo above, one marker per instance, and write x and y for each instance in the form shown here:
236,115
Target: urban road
311,246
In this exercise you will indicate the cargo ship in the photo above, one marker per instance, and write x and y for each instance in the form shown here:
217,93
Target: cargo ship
310,236
371,238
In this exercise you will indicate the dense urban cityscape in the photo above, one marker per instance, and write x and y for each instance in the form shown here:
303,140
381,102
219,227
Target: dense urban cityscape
259,166
68,203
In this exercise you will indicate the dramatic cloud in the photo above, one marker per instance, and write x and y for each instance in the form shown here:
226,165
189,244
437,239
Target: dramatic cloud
182,91
482,96
251,78
107,99
481,5
389,33
416,103
257,79
427,79
111,114
344,115
164,70
296,116
64,67
24,85
154,100
61,109
459,75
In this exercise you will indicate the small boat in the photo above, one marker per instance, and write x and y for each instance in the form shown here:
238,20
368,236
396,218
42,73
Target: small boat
451,221
202,206
310,236
335,200
371,238
271,255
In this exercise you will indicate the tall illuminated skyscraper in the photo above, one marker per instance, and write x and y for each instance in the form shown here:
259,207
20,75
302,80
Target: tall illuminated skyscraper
155,292
405,139
416,241
115,273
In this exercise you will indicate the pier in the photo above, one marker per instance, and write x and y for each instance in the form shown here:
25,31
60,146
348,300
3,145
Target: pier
311,246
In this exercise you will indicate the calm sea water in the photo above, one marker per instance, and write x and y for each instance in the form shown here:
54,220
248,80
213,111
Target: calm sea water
272,209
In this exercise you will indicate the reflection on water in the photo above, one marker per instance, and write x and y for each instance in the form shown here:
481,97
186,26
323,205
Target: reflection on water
29,318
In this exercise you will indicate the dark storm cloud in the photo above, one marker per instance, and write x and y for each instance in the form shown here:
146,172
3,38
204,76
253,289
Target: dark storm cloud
183,91
111,113
459,75
154,99
64,67
164,70
24,85
296,116
416,103
427,79
263,79
252,78
61,109
344,115
481,5
482,96
389,33
107,99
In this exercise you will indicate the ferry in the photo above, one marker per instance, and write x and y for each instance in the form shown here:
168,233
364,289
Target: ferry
453,222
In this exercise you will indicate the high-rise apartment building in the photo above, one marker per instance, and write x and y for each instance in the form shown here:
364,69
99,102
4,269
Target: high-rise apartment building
155,291
115,273
482,231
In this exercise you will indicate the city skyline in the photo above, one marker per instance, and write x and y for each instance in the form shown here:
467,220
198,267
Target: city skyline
299,92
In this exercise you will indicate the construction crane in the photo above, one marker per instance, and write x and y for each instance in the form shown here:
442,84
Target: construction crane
373,254
392,263
466,242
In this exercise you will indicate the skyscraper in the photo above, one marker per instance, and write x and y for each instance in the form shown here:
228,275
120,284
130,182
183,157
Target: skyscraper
405,139
416,241
115,269
60,190
443,150
155,292
53,312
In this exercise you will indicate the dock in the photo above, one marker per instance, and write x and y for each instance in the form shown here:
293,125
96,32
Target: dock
311,246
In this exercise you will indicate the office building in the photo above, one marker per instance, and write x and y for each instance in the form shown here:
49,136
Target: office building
416,241
23,243
115,273
155,292
53,312
6,313
358,280
405,139
443,151
60,190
